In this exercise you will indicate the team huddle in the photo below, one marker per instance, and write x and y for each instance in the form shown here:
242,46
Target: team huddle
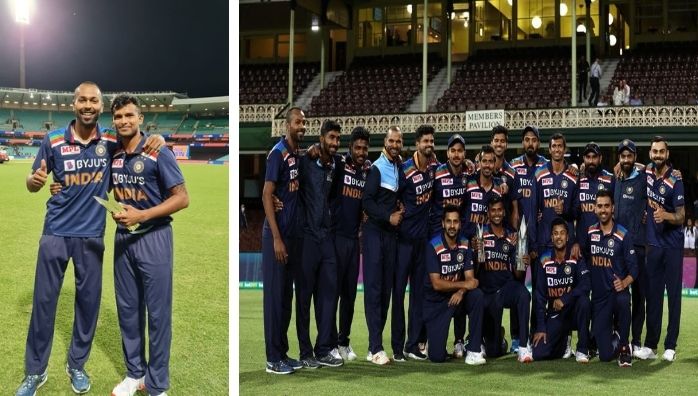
463,235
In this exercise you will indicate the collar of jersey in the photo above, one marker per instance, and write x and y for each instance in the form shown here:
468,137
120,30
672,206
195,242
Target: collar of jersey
69,134
139,146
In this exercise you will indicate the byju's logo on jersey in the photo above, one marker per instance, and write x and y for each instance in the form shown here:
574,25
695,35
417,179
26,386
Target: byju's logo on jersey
595,237
138,166
70,150
69,165
100,150
118,163
347,180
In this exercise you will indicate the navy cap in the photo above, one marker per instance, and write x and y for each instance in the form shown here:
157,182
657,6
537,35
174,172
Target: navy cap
530,128
592,148
456,138
627,144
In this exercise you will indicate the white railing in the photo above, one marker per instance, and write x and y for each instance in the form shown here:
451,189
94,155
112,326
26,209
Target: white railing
563,118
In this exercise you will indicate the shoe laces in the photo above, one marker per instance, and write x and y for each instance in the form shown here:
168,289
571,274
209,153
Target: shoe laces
78,374
30,381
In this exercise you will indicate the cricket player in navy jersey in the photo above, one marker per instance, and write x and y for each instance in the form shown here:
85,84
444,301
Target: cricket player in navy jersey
497,276
416,182
562,292
449,189
630,197
665,216
499,140
524,194
316,274
450,289
380,203
279,247
151,188
613,267
78,157
350,179
593,179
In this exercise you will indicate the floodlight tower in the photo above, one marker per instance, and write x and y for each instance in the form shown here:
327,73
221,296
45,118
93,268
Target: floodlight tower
22,8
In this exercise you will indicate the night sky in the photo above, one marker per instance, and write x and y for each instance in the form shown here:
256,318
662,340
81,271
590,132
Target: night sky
122,45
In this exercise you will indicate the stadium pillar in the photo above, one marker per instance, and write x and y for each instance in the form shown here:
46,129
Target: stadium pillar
425,29
290,54
22,67
587,23
574,56
449,43
322,57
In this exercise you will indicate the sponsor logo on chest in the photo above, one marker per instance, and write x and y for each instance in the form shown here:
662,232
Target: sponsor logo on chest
117,163
447,181
547,181
445,257
70,150
417,178
476,195
551,270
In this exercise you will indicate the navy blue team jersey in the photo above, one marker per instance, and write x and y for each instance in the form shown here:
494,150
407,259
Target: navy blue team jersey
585,201
630,197
450,264
500,260
566,280
666,191
449,189
415,194
475,210
525,192
549,189
282,169
144,180
346,199
609,256
84,172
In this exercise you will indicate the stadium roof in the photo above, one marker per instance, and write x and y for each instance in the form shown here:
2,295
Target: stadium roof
33,99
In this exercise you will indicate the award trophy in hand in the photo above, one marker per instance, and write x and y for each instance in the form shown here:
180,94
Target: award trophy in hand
480,245
522,245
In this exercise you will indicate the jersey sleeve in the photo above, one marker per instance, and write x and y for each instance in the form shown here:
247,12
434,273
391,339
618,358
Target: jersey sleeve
45,153
273,170
371,207
678,198
431,263
169,173
630,258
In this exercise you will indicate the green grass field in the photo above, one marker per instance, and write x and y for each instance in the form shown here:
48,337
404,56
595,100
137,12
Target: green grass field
199,354
499,376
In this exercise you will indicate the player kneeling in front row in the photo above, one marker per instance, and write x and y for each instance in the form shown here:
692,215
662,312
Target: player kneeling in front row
499,285
613,268
451,289
563,287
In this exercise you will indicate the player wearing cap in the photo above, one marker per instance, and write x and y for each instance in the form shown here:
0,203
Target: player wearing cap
450,289
497,278
416,181
592,180
562,292
280,251
348,188
665,216
524,194
630,197
380,240
613,267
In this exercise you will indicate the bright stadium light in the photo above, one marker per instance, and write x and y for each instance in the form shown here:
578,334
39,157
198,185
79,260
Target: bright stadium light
563,9
581,28
409,9
612,40
23,9
536,22
610,19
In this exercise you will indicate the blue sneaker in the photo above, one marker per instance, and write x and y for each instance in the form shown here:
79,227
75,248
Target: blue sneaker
514,346
31,383
293,363
279,368
79,380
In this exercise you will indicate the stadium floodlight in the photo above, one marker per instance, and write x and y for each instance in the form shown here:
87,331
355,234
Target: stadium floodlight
22,10
409,9
612,40
536,22
563,9
610,19
581,28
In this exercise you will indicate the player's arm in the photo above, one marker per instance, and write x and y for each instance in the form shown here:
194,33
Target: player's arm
177,200
674,218
582,284
41,168
630,260
369,199
153,143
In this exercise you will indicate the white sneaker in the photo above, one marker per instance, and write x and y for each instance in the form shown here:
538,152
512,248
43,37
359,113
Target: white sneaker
669,355
335,354
128,387
525,355
636,349
581,357
645,353
474,358
568,349
369,357
423,347
458,350
347,353
483,351
380,358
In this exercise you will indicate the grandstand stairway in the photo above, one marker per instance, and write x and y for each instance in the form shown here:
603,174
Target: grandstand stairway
608,68
314,88
435,89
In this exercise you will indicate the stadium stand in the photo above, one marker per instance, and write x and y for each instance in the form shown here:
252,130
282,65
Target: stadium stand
660,74
510,79
374,85
250,240
268,83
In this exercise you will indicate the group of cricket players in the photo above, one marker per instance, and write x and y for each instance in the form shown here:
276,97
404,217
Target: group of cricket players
602,245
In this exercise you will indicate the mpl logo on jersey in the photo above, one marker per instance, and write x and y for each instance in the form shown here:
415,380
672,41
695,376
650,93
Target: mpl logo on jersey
69,165
476,195
417,178
291,161
70,150
595,237
551,270
521,171
117,163
489,243
584,185
445,257
447,181
548,181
